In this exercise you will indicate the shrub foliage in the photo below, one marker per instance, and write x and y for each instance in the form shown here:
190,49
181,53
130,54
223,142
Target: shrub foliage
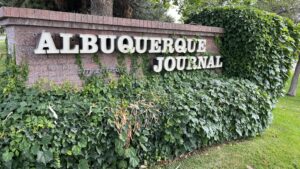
127,122
257,45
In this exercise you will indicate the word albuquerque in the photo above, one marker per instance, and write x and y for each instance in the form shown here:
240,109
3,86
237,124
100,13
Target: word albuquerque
108,44
125,44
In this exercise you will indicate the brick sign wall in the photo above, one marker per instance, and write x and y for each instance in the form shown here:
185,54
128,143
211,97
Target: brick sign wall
24,28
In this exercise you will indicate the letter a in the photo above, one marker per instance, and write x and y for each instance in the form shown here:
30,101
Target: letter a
46,45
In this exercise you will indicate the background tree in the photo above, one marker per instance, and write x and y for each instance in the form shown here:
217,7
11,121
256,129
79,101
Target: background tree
120,8
81,6
287,8
293,88
290,9
158,10
102,7
123,8
188,7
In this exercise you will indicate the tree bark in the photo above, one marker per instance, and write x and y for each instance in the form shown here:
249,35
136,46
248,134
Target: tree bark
294,84
84,6
102,7
123,8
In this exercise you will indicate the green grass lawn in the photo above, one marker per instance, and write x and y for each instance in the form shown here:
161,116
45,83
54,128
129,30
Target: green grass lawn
278,147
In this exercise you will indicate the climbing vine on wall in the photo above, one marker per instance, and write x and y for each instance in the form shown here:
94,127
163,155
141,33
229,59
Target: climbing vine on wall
257,45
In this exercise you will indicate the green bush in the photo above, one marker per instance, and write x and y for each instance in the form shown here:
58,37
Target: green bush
128,122
257,45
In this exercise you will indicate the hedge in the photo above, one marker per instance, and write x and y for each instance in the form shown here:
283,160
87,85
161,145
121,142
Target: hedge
128,122
134,122
257,45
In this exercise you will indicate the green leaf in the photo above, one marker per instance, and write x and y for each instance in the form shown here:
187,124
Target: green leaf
122,164
134,162
76,150
143,147
131,154
44,156
82,143
7,156
83,164
46,139
119,147
34,149
239,132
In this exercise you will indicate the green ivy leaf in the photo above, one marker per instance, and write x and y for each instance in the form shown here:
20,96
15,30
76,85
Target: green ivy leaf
122,164
239,132
44,156
131,154
119,147
7,156
83,164
134,162
34,149
46,139
76,150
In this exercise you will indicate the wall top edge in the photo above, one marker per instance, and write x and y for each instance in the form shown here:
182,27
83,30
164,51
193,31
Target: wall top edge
38,14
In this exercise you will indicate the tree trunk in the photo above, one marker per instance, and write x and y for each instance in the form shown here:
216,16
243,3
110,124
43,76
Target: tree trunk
294,84
61,4
122,8
102,7
84,6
